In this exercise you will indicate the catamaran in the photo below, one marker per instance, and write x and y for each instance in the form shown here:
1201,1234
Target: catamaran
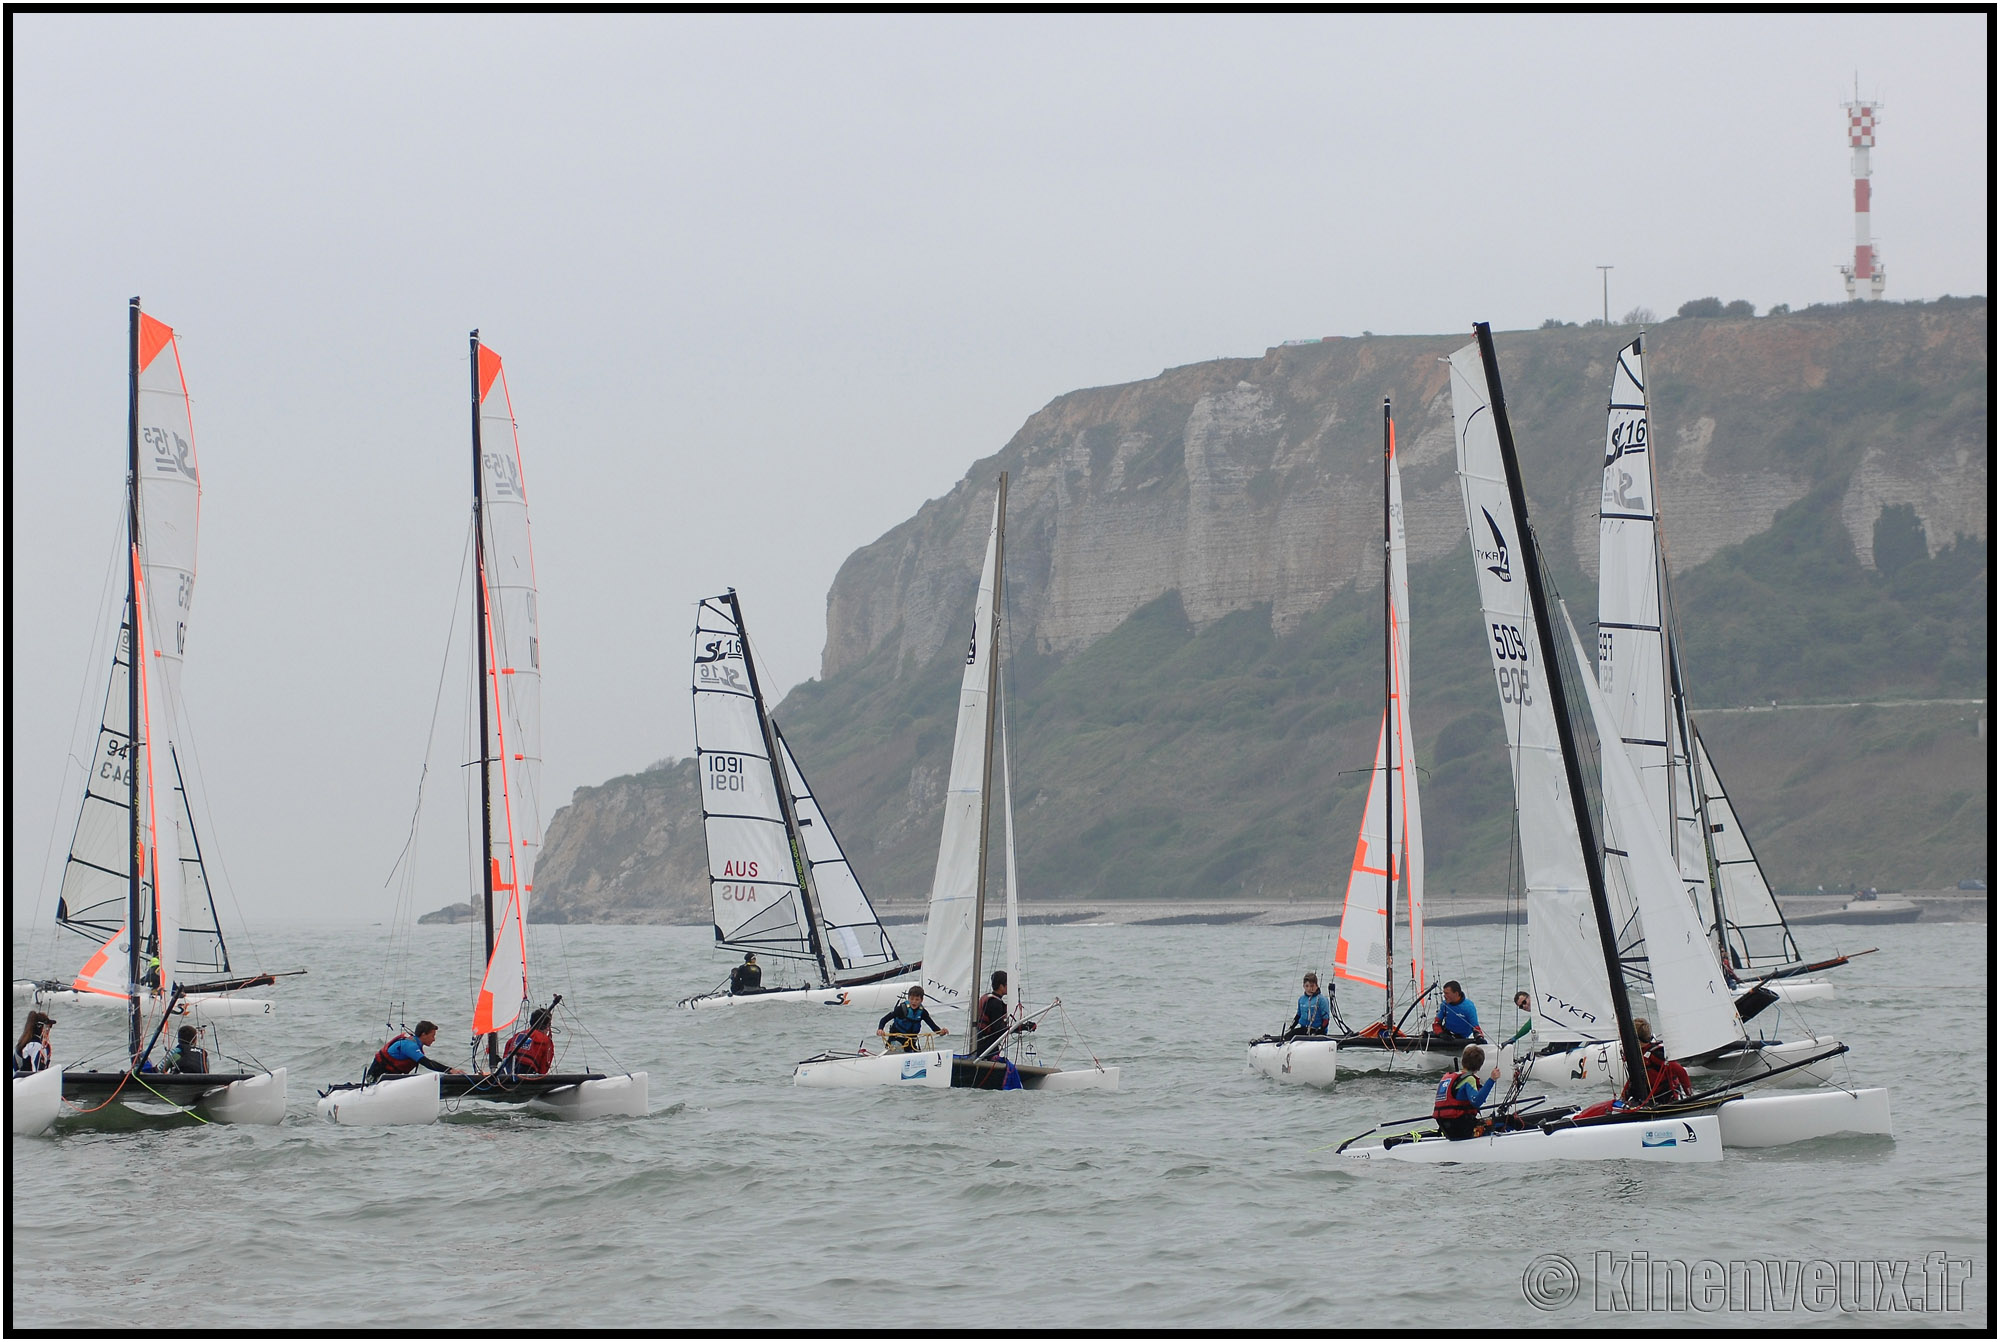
1578,858
1387,861
779,881
134,881
954,934
508,674
1639,668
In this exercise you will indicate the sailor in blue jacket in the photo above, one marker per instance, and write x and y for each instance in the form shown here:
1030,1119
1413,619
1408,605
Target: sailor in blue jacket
1458,1016
1315,1013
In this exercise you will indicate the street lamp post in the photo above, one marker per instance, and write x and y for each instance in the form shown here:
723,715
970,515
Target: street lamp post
1605,271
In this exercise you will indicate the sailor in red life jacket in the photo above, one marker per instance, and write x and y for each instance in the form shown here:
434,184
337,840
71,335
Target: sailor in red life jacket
405,1053
1460,1094
1666,1080
533,1051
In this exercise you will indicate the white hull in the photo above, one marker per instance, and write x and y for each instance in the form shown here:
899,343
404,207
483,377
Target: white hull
931,1070
36,1102
1297,1062
1439,1060
260,1100
1777,1120
397,1100
211,1006
1800,990
1695,1140
613,1097
868,996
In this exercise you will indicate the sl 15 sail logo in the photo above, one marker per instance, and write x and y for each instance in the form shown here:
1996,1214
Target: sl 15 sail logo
1497,560
503,476
171,453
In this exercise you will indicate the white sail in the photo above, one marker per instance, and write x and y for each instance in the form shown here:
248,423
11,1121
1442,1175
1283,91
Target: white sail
848,924
96,878
951,934
512,751
1756,935
1360,952
1572,996
754,882
1695,1011
1634,656
1016,991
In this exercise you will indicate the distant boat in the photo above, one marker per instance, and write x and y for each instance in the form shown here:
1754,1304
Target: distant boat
1388,863
508,675
1639,669
955,933
780,884
134,882
1869,907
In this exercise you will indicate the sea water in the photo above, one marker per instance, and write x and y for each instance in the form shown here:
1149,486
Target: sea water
1197,1195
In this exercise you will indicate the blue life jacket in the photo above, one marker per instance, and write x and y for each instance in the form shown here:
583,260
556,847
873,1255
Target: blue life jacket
1313,1012
909,1020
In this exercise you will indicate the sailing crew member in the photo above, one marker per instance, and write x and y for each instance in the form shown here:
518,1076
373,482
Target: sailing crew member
405,1053
1522,1002
1314,1012
1665,1079
533,1051
1457,1015
32,1052
991,1018
1460,1094
747,977
187,1055
906,1019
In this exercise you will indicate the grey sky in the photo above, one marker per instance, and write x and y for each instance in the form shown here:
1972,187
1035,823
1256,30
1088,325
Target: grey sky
765,284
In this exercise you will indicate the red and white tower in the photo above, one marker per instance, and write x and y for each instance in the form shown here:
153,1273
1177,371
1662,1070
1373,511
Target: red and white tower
1865,277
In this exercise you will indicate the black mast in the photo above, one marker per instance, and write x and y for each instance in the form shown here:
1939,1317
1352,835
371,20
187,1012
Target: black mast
479,637
1388,732
986,778
787,809
132,689
1586,823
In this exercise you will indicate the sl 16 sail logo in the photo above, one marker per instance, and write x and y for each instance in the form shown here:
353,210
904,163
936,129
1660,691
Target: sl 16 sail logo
1498,563
171,453
972,648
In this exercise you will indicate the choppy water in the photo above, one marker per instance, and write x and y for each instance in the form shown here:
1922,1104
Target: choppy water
1197,1196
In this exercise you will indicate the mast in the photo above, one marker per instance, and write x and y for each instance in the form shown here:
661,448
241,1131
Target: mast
138,848
479,638
1388,732
786,805
1586,823
986,776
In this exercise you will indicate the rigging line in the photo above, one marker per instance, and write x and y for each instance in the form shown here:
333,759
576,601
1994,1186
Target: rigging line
93,657
201,781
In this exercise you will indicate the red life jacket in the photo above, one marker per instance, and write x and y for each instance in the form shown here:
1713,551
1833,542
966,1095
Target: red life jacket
1450,1104
394,1066
532,1051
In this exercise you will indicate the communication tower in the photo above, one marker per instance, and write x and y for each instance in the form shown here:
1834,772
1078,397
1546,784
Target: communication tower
1865,277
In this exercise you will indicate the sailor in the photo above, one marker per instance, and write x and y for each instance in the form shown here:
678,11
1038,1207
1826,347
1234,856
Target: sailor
405,1053
32,1054
747,977
1457,1015
1523,1002
1665,1079
187,1055
1460,1094
533,1051
906,1019
151,977
1314,1012
991,1018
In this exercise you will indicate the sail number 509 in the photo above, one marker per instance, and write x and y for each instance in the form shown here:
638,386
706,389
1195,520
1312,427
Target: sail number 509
1508,644
1510,647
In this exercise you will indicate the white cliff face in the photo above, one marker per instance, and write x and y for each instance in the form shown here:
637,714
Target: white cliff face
1242,483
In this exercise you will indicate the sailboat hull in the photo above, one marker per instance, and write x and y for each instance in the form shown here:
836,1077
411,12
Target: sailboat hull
37,1099
1779,1120
1598,1065
1804,990
211,1006
867,996
609,1097
1296,1062
939,1069
259,1101
1679,1141
397,1101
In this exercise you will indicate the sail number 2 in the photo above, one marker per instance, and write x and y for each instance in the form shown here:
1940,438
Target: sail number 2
1509,646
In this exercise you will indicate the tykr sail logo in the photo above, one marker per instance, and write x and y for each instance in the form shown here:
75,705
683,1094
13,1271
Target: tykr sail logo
1500,564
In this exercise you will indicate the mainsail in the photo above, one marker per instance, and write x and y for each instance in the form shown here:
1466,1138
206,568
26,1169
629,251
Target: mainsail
1572,995
1361,951
958,889
849,928
510,673
1754,931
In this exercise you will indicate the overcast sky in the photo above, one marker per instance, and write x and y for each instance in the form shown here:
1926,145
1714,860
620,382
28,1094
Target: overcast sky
765,284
